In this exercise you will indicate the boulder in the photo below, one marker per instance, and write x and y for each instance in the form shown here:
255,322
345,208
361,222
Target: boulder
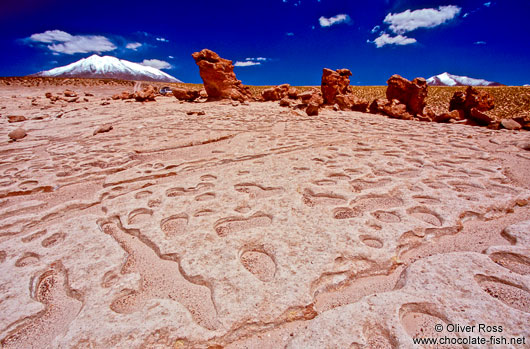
480,100
397,110
17,134
480,117
219,79
411,93
16,118
275,93
335,83
292,93
312,109
376,107
102,129
183,94
472,104
306,95
394,108
68,93
124,95
458,101
285,102
510,124
148,94
351,102
446,117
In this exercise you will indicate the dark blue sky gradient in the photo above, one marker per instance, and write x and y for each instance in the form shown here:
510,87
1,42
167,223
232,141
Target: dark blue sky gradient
257,28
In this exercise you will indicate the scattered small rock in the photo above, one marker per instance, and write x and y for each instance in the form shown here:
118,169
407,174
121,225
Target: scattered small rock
17,134
102,129
16,118
69,93
510,124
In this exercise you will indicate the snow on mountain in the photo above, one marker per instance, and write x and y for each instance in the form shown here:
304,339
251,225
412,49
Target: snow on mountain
109,67
447,79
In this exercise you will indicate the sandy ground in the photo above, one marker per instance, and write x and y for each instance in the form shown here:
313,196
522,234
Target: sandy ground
255,226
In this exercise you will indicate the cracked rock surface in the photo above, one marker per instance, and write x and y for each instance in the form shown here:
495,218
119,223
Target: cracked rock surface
255,226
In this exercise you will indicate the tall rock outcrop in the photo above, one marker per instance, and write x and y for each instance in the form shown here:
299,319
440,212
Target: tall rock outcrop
411,93
219,79
336,89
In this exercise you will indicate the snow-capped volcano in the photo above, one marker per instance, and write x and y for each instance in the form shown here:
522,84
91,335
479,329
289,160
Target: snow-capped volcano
447,79
108,67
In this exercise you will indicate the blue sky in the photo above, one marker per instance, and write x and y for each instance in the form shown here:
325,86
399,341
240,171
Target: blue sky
276,41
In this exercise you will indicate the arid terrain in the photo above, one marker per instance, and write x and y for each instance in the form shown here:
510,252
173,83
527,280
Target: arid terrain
250,225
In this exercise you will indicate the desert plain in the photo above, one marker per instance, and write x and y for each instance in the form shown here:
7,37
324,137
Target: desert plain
250,225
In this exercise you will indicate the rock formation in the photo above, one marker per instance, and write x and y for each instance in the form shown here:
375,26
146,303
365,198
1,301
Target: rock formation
183,94
335,83
336,89
411,93
148,94
277,92
219,78
473,103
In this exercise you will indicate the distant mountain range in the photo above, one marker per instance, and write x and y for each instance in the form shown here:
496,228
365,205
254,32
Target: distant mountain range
446,79
108,67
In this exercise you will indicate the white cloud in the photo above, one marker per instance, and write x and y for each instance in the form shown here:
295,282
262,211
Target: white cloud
246,64
63,42
261,59
487,4
328,22
408,20
170,57
162,39
386,39
50,36
133,45
156,63
375,29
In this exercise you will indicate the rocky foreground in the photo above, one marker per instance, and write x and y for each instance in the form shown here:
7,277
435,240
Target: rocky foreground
249,225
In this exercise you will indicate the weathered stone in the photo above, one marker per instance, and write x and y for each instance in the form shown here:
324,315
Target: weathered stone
183,94
68,93
445,117
219,79
102,129
17,134
312,109
285,102
480,100
148,94
510,124
458,101
292,93
411,93
480,117
16,118
335,83
275,93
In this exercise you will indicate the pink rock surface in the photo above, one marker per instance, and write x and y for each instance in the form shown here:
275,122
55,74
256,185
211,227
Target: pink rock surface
255,226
